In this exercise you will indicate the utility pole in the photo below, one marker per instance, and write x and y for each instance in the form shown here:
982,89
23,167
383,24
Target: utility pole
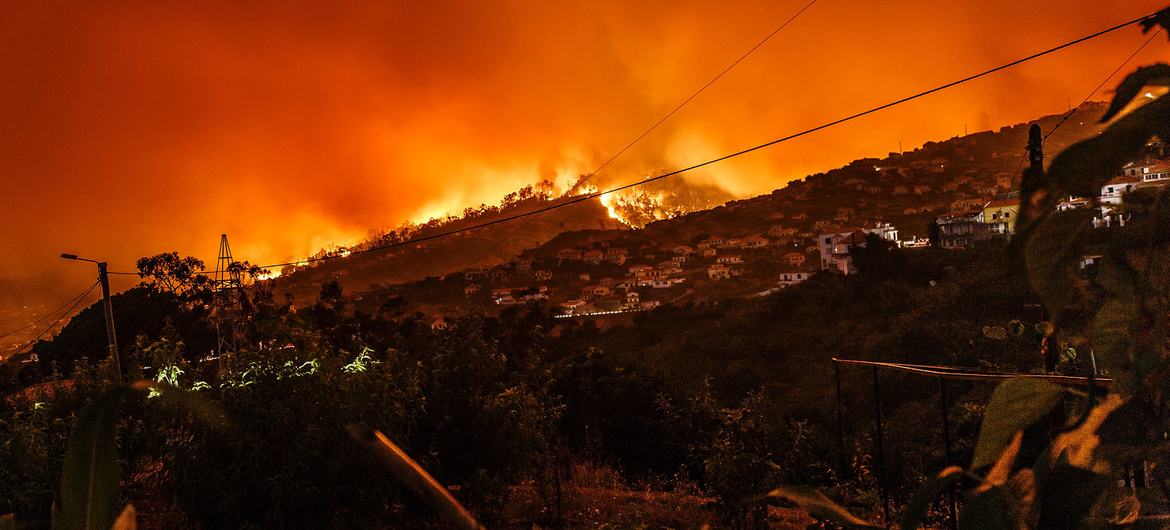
1036,150
111,337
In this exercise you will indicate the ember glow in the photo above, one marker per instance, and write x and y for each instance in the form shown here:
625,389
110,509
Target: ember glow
128,129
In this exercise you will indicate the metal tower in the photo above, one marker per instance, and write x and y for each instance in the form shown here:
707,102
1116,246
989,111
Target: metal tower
227,289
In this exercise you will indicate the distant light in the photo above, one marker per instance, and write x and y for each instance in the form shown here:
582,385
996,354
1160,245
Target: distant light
1149,95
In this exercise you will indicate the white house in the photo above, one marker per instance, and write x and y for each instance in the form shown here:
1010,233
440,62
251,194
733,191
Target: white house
718,272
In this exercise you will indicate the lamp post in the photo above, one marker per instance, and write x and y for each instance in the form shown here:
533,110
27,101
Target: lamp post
104,279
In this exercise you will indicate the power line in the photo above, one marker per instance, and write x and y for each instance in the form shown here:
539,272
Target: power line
1103,81
651,128
1072,111
735,154
78,300
699,91
48,314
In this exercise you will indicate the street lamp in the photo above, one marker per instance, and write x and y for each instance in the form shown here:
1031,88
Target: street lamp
104,279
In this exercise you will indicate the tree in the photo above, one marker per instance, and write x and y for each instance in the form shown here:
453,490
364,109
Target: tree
170,273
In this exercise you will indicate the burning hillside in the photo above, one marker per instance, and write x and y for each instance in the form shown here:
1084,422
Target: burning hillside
662,199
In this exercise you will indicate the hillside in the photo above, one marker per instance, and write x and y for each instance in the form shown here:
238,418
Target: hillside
908,190
480,248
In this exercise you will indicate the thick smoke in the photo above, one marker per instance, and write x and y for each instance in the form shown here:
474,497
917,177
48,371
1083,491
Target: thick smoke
133,128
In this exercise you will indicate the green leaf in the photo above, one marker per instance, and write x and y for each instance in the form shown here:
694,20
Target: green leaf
90,490
1156,75
819,506
926,494
1015,405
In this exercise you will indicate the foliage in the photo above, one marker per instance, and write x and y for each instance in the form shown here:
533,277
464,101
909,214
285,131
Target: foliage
1120,314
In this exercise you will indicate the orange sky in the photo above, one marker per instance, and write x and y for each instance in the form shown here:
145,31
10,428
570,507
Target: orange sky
128,129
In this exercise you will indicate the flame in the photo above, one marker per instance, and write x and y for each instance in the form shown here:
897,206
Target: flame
609,201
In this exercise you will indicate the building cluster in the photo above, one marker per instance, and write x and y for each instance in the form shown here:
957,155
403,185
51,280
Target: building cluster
995,220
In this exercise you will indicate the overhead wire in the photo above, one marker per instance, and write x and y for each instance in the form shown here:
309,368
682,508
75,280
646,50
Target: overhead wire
805,132
50,327
1089,96
651,128
47,314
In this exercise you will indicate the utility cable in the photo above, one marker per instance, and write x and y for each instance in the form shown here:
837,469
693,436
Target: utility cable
48,314
61,318
735,154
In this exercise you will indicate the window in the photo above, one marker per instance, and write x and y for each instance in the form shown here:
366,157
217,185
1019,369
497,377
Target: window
1007,214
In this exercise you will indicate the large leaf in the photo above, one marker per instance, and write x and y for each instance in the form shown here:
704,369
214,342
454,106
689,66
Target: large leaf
1068,495
407,471
1084,167
819,506
990,510
926,494
1015,405
1051,253
90,491
1153,75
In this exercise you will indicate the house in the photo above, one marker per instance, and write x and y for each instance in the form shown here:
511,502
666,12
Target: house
668,265
569,254
607,282
594,291
651,304
961,230
638,269
1001,214
615,253
733,242
967,204
499,275
584,277
729,259
679,259
921,189
661,284
543,275
593,256
901,189
438,324
682,250
782,231
709,252
718,272
501,291
795,259
524,266
1116,187
834,247
571,306
835,250
633,301
714,242
755,241
471,289
475,275
792,277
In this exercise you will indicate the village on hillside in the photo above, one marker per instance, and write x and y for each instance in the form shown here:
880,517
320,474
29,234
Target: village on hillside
957,194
